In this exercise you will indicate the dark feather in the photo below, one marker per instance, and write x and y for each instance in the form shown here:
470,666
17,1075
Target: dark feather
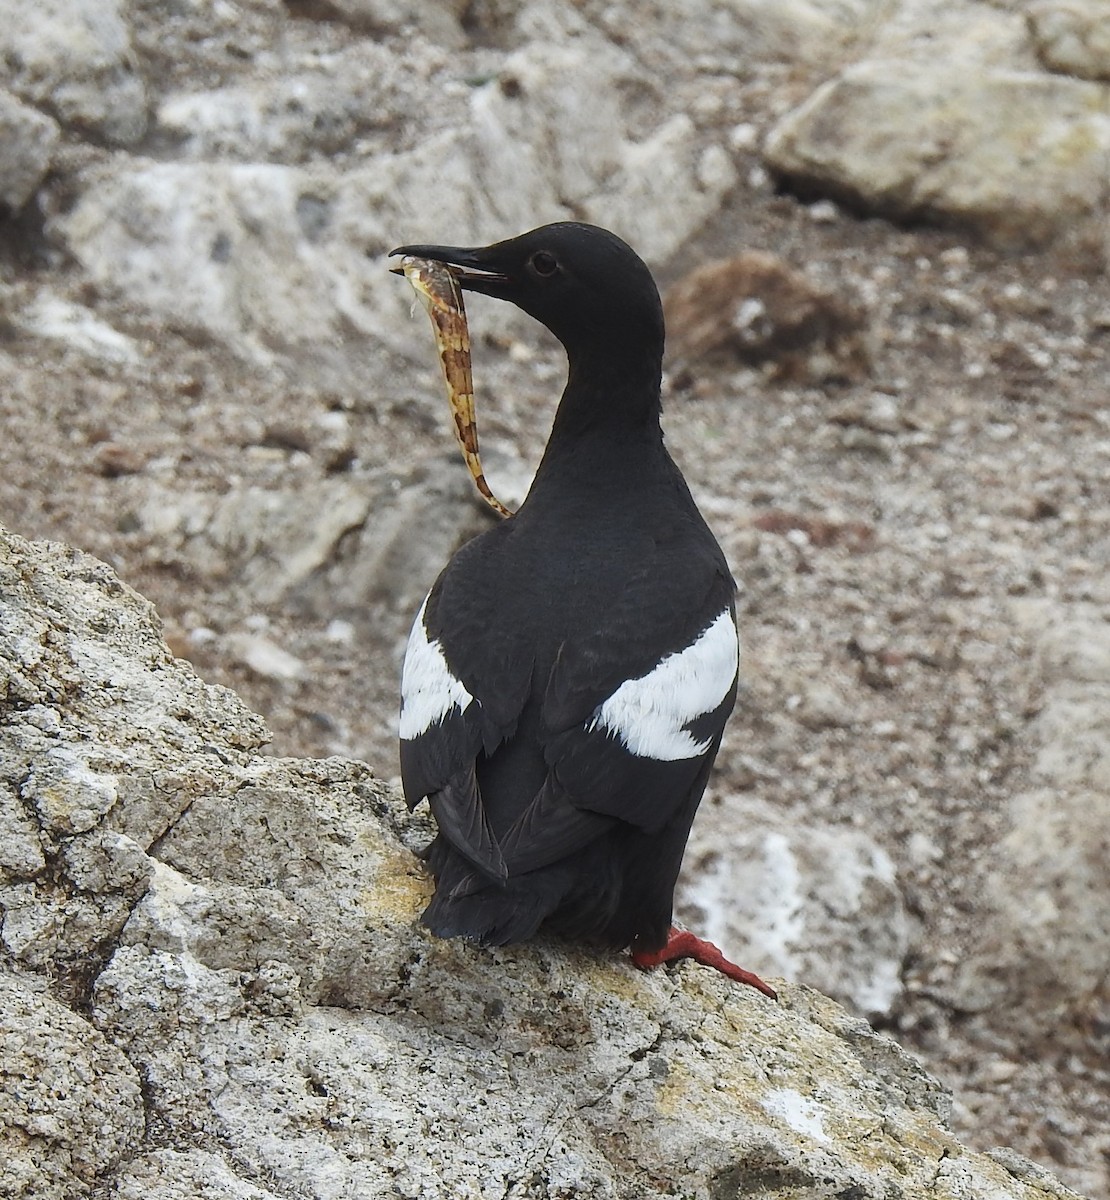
546,816
462,821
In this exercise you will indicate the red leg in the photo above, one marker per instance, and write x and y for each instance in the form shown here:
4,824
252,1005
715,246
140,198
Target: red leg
683,944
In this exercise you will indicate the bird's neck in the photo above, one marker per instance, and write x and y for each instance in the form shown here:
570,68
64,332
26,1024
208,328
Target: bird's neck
610,394
606,437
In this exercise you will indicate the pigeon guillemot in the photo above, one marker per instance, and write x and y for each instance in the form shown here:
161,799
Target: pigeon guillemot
568,678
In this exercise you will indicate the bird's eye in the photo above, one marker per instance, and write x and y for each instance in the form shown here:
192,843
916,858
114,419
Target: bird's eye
544,264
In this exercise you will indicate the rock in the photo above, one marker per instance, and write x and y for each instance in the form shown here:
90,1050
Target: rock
348,99
978,37
822,706
665,173
21,854
94,806
570,152
67,796
265,657
336,545
807,31
813,902
210,246
77,328
184,1175
27,141
71,1108
292,1023
1017,156
1042,954
235,536
1072,36
436,21
267,256
74,58
877,412
756,308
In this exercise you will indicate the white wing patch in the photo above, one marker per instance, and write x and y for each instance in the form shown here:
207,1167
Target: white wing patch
650,714
428,689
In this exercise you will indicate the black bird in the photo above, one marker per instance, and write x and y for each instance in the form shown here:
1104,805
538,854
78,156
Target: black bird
568,678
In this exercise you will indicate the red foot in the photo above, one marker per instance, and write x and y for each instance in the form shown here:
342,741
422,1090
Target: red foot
683,944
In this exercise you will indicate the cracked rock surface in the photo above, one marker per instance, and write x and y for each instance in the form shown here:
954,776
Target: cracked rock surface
213,983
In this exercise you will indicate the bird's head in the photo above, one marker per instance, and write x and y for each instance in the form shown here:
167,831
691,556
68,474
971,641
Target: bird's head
585,284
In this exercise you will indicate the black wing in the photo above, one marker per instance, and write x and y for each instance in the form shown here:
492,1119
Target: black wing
453,711
630,709
631,747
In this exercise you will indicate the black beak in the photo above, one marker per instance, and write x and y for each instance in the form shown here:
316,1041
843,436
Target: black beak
469,266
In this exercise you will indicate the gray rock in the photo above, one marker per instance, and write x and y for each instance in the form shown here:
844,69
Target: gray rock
211,246
70,1103
1072,36
715,36
269,256
266,256
813,902
298,1034
21,855
75,327
1019,157
283,548
91,807
1043,951
1042,954
184,1175
348,101
975,36
538,126
438,21
27,141
74,58
265,657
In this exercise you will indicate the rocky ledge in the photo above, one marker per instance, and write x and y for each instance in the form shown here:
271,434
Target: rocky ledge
214,984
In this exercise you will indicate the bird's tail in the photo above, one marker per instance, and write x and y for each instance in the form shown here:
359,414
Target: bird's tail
470,905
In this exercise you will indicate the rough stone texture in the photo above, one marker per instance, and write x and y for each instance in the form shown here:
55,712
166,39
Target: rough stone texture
1072,36
266,254
1050,942
814,32
436,20
27,140
74,58
274,548
1017,156
232,264
938,34
54,319
758,309
265,978
765,889
351,96
70,1104
84,811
